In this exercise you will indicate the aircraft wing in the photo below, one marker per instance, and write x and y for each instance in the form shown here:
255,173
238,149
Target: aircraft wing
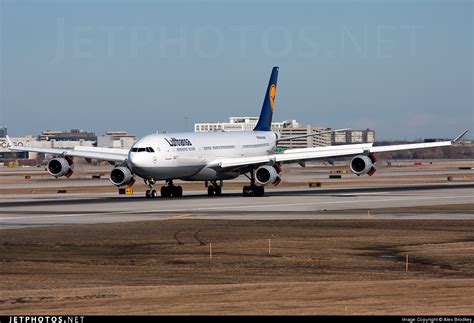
307,154
108,154
290,156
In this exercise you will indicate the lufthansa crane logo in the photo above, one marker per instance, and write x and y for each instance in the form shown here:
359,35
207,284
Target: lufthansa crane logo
272,93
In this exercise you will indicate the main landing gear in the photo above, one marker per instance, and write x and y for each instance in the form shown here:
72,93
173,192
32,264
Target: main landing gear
171,190
214,189
166,191
252,189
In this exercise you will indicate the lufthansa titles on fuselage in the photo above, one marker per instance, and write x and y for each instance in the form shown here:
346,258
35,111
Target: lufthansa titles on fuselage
173,142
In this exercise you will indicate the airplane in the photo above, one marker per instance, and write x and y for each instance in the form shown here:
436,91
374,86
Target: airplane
214,157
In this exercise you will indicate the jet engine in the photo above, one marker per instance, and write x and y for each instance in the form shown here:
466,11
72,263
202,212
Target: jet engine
121,176
268,175
362,164
59,167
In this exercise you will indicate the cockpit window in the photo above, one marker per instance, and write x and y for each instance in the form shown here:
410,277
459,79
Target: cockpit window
139,150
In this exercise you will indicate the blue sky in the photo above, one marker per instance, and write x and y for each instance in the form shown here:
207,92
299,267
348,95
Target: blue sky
403,68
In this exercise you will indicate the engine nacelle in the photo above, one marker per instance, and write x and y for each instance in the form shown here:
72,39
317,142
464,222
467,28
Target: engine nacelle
362,164
265,175
121,176
59,167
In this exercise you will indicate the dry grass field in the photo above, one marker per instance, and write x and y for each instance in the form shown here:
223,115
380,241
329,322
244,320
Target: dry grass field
313,267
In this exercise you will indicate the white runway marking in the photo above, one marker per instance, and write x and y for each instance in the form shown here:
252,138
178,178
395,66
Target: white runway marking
230,207
312,203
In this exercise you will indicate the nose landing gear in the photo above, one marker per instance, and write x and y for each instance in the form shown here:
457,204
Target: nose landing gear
165,191
151,193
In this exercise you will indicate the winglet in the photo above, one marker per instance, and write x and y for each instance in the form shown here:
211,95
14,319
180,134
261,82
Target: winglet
9,141
458,138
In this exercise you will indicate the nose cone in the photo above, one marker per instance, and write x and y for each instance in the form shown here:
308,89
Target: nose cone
137,163
136,160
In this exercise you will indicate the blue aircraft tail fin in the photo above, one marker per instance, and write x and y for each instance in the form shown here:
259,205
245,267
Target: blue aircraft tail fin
265,120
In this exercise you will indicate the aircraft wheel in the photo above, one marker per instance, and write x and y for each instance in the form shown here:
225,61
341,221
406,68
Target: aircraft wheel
259,191
147,193
247,191
210,190
218,190
165,191
153,193
177,191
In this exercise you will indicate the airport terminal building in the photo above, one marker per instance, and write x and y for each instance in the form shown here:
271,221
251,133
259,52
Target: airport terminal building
348,137
59,139
116,139
289,128
286,128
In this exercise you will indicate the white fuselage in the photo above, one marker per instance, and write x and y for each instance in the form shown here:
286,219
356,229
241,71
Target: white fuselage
186,155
